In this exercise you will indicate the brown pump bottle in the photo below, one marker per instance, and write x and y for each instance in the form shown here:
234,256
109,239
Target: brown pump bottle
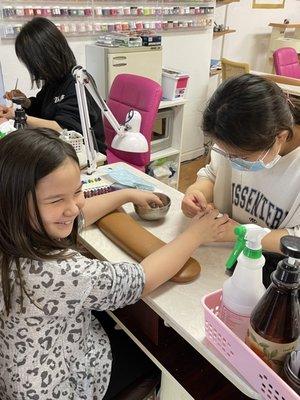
275,321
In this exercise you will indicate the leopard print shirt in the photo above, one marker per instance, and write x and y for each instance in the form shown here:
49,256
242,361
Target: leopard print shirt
53,348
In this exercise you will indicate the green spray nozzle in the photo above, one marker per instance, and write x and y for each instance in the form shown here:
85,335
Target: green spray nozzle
240,232
248,240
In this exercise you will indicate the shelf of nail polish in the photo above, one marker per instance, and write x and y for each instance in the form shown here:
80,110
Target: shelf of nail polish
88,28
96,191
150,11
18,12
95,186
73,28
89,17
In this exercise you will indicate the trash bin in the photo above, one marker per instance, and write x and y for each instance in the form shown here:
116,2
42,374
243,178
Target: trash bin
174,84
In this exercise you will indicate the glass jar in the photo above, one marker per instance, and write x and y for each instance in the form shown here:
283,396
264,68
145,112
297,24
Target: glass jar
98,11
28,11
38,11
46,11
126,10
88,12
64,11
20,11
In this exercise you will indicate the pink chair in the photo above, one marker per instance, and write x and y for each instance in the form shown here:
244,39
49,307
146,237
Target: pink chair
132,92
286,62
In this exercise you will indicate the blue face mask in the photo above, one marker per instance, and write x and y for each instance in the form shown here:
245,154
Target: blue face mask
253,166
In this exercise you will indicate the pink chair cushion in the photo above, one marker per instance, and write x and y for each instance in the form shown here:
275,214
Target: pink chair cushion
286,62
132,92
111,158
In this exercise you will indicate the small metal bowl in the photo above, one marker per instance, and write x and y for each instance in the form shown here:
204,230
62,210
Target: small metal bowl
155,212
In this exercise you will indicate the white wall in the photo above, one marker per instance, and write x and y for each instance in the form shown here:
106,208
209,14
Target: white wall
251,40
191,53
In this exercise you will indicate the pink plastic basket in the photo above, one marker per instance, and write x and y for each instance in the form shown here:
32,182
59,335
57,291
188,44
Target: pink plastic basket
258,374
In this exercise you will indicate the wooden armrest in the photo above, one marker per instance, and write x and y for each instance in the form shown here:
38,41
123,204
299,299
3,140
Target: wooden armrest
136,241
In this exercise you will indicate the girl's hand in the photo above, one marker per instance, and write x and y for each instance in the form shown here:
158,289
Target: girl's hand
7,112
143,198
193,203
228,235
208,227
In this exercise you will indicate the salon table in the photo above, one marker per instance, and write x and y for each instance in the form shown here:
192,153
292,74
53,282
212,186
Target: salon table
178,306
287,88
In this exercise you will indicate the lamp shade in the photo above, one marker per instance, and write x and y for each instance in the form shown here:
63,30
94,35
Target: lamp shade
132,142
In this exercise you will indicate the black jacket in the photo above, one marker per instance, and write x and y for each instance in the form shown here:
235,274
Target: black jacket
57,101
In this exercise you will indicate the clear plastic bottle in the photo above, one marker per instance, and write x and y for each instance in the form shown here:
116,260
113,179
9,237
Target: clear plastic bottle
243,290
275,321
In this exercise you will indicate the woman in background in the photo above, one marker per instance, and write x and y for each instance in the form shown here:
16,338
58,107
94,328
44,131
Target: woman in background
45,52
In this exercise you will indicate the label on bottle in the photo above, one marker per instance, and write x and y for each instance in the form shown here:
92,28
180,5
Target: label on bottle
271,353
238,323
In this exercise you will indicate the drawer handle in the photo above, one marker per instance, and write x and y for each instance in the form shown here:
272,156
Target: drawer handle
120,65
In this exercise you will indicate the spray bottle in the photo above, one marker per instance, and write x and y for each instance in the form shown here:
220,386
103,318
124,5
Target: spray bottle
244,289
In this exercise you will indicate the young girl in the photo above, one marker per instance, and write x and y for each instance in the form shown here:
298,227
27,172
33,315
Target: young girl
45,52
254,173
50,347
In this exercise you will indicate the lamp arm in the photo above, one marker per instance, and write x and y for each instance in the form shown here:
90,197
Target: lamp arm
84,78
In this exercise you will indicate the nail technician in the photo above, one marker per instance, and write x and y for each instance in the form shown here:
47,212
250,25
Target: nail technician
254,172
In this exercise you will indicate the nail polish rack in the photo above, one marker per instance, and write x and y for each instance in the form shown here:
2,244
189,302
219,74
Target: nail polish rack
91,17
95,186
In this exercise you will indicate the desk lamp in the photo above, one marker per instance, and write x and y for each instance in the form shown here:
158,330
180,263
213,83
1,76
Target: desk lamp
128,138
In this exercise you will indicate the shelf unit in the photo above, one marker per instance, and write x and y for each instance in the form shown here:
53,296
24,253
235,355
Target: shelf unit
92,17
226,2
173,153
222,34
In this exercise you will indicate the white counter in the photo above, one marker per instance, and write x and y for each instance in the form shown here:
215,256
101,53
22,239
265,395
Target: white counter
178,304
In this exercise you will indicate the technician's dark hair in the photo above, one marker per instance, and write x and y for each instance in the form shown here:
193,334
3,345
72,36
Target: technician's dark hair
247,112
44,50
26,156
294,103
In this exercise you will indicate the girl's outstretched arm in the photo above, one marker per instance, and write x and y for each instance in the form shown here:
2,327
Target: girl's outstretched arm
99,206
164,263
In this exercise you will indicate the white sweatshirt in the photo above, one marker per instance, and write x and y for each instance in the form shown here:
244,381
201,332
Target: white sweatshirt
269,198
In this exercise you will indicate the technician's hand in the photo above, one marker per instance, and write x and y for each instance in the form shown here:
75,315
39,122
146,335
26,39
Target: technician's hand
144,199
193,203
7,112
17,93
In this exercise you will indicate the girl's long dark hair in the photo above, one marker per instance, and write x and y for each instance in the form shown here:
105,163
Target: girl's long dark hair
247,112
26,156
44,50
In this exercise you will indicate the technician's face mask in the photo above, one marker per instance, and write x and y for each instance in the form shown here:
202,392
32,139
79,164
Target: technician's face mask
241,164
